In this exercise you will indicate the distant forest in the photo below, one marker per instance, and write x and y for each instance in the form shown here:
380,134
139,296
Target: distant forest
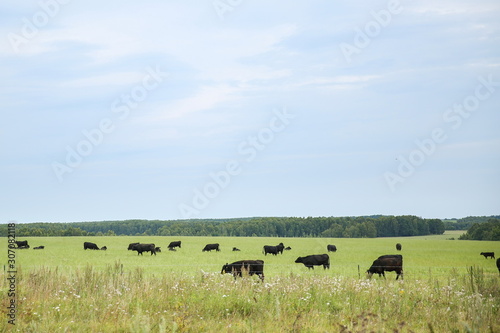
334,227
489,230
466,222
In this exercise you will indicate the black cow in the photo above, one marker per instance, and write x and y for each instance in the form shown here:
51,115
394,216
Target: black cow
288,248
89,245
387,263
274,250
210,247
104,248
331,248
488,254
144,248
41,247
131,246
250,266
236,249
498,265
398,246
172,249
22,244
174,244
315,260
157,249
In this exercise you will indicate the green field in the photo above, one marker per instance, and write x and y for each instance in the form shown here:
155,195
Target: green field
447,287
421,255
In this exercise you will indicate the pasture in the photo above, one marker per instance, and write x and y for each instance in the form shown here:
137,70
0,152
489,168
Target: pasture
447,286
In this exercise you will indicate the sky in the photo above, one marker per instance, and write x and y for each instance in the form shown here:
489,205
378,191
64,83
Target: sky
234,108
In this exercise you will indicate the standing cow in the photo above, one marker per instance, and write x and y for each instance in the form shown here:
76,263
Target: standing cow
315,260
498,265
90,246
398,246
143,248
387,263
331,248
210,247
22,244
488,254
250,266
274,250
175,244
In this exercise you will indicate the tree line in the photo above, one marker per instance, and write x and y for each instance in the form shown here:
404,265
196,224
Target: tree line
466,222
489,230
334,227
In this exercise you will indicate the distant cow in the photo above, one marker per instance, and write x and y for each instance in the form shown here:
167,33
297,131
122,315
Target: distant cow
288,248
143,248
90,246
250,266
387,263
488,254
398,246
157,249
315,260
210,247
331,248
131,246
41,247
172,249
104,248
498,265
274,250
174,244
236,249
22,244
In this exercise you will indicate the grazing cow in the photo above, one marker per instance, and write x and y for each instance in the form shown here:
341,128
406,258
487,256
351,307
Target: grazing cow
288,248
488,254
174,244
398,246
104,248
315,260
157,249
389,263
250,266
22,244
41,247
89,245
274,250
210,247
144,248
331,248
236,249
131,246
498,265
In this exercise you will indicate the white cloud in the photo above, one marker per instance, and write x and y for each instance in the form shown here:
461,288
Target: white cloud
205,98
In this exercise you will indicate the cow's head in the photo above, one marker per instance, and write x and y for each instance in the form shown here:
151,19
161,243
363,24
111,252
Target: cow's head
226,268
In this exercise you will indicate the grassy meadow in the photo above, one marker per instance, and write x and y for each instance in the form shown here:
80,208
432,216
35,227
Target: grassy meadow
447,287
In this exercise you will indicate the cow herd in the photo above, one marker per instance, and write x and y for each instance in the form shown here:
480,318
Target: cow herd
385,263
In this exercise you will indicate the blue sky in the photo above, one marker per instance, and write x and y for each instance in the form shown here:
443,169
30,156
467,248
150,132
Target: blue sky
215,109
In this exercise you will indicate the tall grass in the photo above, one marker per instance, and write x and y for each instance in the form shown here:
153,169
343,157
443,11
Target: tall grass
123,299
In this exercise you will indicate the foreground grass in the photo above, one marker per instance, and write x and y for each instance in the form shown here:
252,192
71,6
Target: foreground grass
118,299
